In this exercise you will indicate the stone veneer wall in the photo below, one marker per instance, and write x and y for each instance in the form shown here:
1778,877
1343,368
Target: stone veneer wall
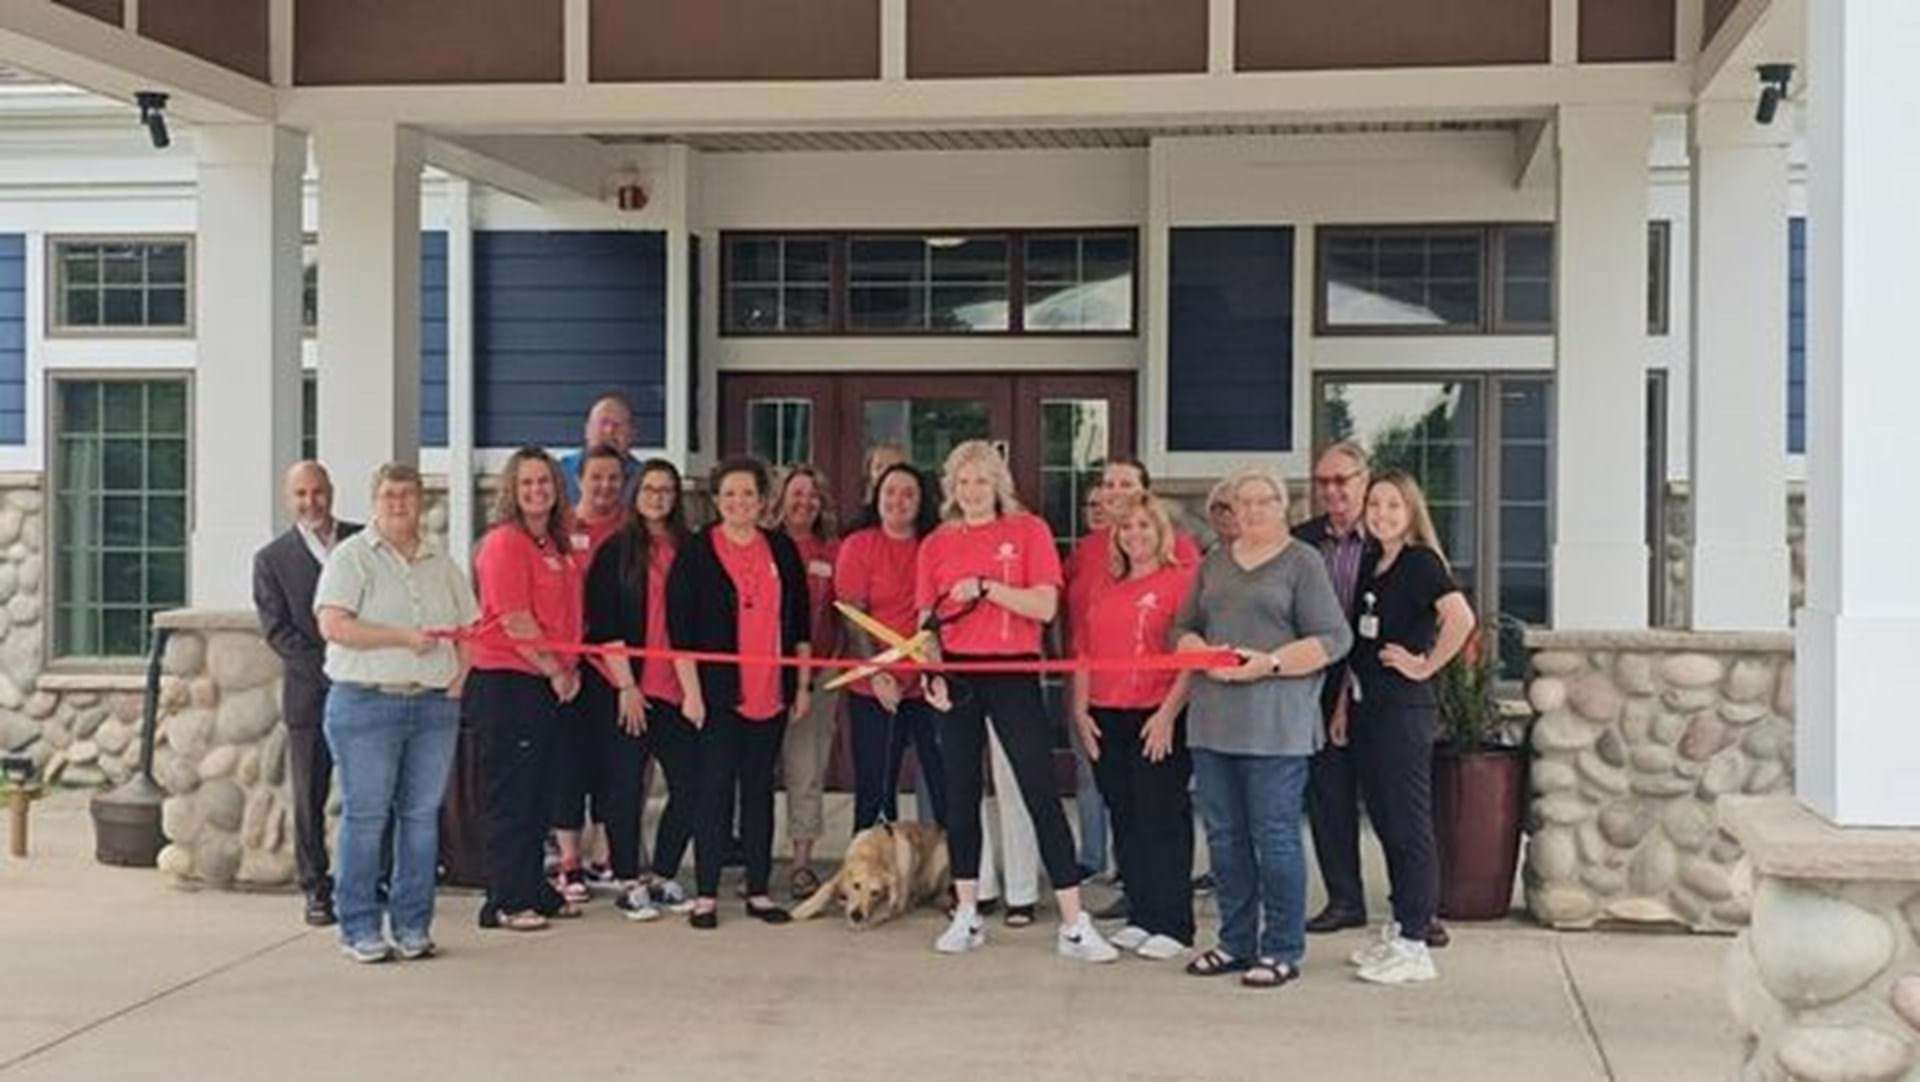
1640,734
1825,985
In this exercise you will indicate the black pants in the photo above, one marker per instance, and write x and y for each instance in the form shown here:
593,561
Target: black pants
1152,821
879,744
514,714
737,756
1012,703
677,745
1393,748
310,774
1333,809
574,765
607,771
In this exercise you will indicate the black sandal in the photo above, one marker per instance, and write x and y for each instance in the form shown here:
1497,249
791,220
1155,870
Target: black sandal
1268,972
1019,916
705,922
772,914
1216,963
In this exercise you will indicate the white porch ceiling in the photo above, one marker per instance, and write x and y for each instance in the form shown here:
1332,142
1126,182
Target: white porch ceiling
1125,138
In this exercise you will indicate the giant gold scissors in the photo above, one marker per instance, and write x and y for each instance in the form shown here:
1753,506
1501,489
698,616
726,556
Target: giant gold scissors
900,647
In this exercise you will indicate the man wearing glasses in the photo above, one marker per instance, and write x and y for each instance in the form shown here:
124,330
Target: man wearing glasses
1340,489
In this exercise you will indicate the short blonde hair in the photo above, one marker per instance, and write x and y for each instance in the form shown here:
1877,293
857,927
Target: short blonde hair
827,527
1252,474
1143,504
985,455
391,473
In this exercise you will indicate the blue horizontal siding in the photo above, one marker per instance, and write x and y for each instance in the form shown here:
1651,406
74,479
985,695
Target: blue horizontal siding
13,339
1230,340
433,339
560,319
1797,336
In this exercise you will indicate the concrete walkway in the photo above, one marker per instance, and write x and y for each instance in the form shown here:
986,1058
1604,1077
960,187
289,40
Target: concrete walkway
109,974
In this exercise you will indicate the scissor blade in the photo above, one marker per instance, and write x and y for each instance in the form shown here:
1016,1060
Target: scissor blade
872,626
915,648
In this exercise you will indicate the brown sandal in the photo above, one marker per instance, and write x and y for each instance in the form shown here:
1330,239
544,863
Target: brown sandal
802,883
1216,963
1266,972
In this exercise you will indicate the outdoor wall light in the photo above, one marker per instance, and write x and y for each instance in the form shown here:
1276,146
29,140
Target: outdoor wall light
1773,87
153,113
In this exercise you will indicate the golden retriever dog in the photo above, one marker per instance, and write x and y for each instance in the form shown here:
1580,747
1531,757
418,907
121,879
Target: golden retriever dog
889,869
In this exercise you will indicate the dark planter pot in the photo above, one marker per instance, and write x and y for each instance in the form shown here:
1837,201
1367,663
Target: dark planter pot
1479,801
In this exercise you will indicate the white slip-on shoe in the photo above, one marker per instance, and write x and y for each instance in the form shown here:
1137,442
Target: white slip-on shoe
1408,962
1130,937
1083,942
964,933
1161,948
1378,950
368,952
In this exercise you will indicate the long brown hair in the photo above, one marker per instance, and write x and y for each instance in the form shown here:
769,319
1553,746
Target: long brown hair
506,502
637,538
1420,530
826,526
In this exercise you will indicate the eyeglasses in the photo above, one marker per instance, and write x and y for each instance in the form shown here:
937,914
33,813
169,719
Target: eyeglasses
1219,508
1335,480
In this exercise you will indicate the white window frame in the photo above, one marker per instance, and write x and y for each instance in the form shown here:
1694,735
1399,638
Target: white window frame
56,325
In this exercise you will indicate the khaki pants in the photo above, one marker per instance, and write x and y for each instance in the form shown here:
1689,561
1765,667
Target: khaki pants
808,749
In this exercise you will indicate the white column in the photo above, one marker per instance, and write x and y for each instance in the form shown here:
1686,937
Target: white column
1600,550
460,370
676,438
369,303
1741,569
1857,740
246,415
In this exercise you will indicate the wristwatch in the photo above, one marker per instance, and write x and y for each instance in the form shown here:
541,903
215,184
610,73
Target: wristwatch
1275,660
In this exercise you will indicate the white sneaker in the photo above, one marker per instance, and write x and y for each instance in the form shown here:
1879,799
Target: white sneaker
669,895
1130,937
1408,961
1159,948
636,904
1379,950
1083,942
370,952
965,933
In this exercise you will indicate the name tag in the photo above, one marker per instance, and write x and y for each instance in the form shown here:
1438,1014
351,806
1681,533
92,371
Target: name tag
820,569
1369,626
553,563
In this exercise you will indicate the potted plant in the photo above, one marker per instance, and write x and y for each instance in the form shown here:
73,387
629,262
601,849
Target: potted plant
1479,786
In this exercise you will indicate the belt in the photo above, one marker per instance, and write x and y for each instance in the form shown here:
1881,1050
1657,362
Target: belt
404,691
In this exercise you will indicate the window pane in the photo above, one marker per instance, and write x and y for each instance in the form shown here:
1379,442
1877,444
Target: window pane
123,632
167,307
167,578
886,308
1523,471
807,308
167,264
1529,303
121,577
753,259
167,465
808,261
1107,257
123,265
753,308
1401,279
167,521
167,408
123,308
884,260
975,259
123,521
125,469
1523,535
126,407
310,283
1053,259
80,265
79,407
969,309
1528,253
83,307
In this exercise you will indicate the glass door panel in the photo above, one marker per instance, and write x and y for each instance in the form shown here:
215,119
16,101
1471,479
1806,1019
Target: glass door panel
927,429
1074,442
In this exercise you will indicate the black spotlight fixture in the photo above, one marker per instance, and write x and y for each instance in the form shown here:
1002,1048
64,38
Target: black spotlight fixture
153,113
1774,79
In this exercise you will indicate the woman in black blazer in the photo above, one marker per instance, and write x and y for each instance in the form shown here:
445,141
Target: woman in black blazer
738,588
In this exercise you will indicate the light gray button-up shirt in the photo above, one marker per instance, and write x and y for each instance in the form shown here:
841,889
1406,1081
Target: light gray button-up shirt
369,578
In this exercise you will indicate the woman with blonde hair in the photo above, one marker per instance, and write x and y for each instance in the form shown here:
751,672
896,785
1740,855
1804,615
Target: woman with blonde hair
1132,724
989,579
1410,619
803,510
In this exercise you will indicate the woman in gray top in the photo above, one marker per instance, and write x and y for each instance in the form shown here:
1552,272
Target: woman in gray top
1252,727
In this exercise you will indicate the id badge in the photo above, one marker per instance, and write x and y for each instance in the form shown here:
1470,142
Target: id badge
820,569
1369,626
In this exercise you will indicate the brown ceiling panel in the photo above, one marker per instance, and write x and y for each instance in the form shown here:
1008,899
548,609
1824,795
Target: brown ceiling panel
110,11
739,40
1299,35
1625,30
230,33
981,38
347,42
1714,17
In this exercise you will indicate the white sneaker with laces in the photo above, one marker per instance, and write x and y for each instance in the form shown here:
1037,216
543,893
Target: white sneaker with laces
1160,948
370,952
1130,937
636,904
669,895
1408,962
1377,951
965,933
1083,942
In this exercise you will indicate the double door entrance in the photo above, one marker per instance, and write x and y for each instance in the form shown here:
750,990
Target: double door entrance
1055,429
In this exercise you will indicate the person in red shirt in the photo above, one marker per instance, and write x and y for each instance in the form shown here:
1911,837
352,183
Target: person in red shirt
576,763
635,709
1130,722
874,574
530,589
990,579
804,512
739,588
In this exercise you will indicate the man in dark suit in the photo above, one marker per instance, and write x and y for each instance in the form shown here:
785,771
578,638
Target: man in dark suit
285,573
1340,478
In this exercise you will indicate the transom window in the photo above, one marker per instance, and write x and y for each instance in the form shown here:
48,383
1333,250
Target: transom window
1469,279
913,283
121,285
120,515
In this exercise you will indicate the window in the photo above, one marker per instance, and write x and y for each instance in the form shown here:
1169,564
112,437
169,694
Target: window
1659,253
780,430
121,286
1797,336
120,515
905,283
1078,282
1073,447
1469,279
779,284
310,415
310,283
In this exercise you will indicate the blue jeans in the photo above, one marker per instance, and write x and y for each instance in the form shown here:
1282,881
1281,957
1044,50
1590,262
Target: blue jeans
1251,804
394,753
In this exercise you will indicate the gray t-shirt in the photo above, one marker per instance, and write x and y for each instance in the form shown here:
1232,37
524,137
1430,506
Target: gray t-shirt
1287,598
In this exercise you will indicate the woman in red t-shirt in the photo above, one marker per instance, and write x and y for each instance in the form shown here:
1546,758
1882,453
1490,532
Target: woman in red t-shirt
738,588
991,579
530,587
804,512
875,575
1131,723
635,711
